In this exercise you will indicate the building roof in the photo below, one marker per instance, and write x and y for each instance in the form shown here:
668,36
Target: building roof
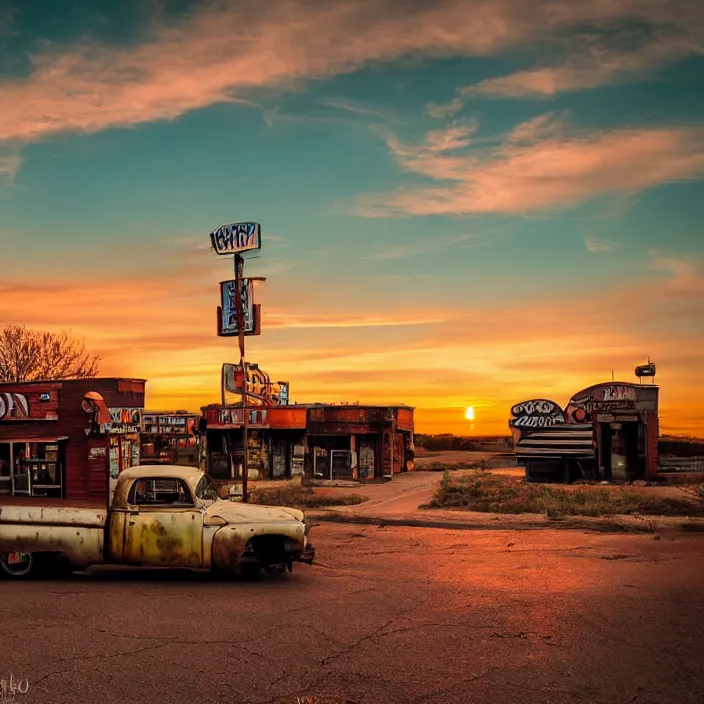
71,381
311,405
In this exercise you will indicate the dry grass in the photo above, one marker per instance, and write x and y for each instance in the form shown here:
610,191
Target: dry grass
497,494
297,496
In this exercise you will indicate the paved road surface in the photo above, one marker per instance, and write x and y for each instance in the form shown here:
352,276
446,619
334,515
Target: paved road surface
390,615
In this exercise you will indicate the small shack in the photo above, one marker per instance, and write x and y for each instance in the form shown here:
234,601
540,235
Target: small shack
66,438
607,432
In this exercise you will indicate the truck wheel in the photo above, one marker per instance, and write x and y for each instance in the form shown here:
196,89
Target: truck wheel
19,565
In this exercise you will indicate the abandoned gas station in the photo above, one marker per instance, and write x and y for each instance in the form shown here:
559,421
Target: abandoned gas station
323,441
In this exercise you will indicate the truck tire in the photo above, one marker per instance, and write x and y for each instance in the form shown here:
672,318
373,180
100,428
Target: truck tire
28,568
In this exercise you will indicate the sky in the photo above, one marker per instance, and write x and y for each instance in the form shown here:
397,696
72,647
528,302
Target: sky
462,202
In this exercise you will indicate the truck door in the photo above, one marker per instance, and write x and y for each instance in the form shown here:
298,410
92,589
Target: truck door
163,525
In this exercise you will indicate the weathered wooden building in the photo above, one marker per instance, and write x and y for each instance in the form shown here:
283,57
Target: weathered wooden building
68,438
608,431
362,443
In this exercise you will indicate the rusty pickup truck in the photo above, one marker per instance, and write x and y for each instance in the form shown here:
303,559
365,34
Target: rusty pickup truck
160,516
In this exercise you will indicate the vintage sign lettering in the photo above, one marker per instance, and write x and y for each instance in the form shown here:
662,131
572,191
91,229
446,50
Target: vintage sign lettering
608,406
619,393
537,413
236,238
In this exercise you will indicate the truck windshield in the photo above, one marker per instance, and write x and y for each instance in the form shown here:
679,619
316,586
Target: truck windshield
206,490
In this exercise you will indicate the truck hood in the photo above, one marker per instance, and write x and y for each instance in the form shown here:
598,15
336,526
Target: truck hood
234,512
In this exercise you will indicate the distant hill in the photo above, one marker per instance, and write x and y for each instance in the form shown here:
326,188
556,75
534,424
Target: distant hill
669,445
681,446
486,443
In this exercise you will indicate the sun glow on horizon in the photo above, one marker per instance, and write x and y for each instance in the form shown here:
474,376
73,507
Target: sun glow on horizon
469,413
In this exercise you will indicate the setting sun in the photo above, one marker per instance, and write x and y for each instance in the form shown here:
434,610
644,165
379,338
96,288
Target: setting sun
469,413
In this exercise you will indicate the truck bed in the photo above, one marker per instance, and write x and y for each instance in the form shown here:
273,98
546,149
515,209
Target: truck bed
50,511
73,528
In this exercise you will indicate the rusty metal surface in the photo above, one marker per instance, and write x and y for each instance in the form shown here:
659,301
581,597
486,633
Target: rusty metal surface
82,545
52,515
168,537
230,541
236,512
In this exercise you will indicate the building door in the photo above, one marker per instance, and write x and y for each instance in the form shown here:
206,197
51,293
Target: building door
340,464
604,437
635,466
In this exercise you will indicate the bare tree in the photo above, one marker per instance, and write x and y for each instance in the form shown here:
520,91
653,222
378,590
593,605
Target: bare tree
31,355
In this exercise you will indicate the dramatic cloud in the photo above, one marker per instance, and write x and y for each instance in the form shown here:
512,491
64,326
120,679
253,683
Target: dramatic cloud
543,165
222,50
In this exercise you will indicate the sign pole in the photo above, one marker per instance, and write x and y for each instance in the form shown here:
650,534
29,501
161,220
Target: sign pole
237,238
239,275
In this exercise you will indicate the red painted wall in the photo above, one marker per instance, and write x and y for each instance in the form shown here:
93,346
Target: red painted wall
84,478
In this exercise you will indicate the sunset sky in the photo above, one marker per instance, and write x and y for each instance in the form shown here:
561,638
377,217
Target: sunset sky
462,202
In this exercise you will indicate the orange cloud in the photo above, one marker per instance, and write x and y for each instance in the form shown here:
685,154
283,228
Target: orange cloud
554,168
222,50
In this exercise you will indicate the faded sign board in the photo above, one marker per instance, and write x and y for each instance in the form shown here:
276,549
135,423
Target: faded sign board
228,302
283,393
233,331
124,421
235,417
236,238
537,413
29,402
645,370
232,378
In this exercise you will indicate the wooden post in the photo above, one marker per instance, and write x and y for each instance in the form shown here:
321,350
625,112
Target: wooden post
393,440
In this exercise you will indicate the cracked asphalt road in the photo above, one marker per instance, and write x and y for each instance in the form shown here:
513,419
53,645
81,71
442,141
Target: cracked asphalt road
390,615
